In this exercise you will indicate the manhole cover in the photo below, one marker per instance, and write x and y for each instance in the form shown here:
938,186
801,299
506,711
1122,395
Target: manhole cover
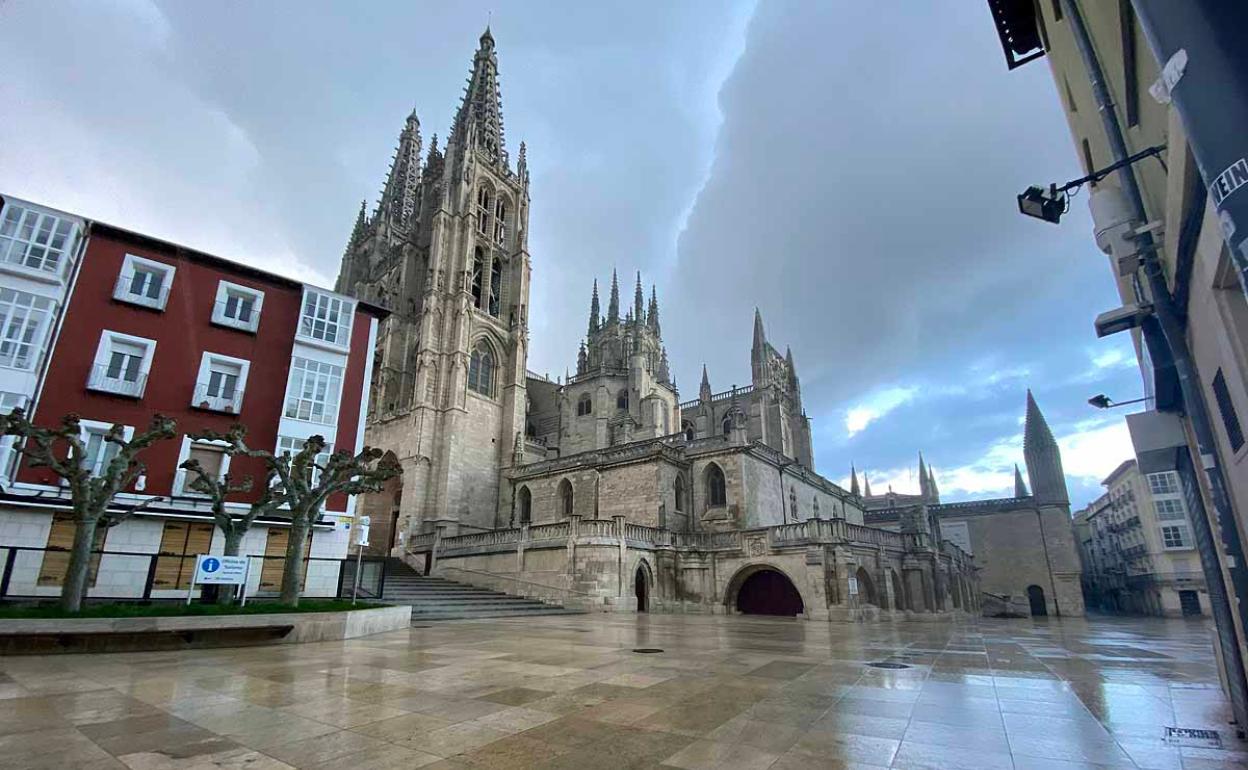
889,665
647,650
1193,737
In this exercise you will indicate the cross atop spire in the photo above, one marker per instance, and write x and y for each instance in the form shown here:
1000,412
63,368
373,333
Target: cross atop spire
613,305
481,113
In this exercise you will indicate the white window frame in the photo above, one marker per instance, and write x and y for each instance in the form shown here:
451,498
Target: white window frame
29,303
1179,512
321,458
8,453
87,427
179,479
15,250
1184,530
122,293
224,289
346,315
200,399
333,400
97,379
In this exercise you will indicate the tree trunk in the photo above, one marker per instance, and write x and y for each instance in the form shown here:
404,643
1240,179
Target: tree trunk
74,586
233,544
292,570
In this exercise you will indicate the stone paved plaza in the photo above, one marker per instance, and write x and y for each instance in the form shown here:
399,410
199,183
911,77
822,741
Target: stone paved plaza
571,692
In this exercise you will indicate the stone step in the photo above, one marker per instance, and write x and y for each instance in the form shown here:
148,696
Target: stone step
435,598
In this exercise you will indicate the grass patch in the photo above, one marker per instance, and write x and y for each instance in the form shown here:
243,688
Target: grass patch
127,610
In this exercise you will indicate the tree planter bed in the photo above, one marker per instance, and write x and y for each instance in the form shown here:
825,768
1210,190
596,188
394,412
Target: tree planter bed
74,635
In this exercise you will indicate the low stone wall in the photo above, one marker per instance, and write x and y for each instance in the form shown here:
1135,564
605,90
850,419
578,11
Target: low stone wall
138,634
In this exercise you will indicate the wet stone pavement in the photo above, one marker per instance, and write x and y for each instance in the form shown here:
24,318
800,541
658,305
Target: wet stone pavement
570,692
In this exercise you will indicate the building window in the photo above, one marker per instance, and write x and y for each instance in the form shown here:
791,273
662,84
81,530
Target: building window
483,211
220,384
584,405
180,543
97,451
237,306
689,432
716,487
211,457
24,320
678,489
727,425
496,286
524,501
313,391
1175,537
621,401
565,498
481,370
1170,509
478,276
287,445
1230,420
326,318
122,364
60,542
1166,483
144,282
34,240
1057,10
500,221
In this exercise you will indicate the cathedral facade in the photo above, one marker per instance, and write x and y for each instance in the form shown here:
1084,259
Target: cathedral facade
603,488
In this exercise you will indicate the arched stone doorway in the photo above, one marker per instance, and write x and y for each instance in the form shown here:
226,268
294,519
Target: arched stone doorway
641,588
866,587
899,591
763,590
524,505
1035,596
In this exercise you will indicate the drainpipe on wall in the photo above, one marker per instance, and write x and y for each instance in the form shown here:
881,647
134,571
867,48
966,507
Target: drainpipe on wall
1172,328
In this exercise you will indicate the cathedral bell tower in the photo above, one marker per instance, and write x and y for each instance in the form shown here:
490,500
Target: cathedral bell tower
447,251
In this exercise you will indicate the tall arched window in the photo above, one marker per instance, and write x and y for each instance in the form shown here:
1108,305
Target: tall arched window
481,370
496,286
716,487
478,272
728,425
678,488
621,400
524,504
565,498
500,221
483,211
687,427
584,405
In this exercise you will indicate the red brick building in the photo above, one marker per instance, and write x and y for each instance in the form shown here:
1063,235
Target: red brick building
147,327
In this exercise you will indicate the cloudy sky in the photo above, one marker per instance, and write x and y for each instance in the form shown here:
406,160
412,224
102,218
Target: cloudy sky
849,168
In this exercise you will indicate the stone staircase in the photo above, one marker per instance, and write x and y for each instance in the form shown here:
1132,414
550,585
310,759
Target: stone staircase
434,598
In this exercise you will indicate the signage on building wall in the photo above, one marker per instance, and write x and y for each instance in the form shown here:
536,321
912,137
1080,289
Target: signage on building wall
220,570
957,532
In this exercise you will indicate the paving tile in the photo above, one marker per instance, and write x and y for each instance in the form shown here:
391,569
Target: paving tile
713,755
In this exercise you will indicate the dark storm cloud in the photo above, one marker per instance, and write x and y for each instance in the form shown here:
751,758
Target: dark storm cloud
849,168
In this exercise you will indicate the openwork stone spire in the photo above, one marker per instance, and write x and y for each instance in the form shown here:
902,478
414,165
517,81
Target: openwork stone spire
652,315
853,482
594,309
481,113
400,195
704,391
613,305
639,302
1044,460
1020,488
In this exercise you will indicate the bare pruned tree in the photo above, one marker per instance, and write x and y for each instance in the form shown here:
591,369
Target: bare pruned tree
63,450
234,522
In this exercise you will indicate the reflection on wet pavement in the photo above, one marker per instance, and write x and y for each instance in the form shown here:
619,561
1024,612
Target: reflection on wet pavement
569,692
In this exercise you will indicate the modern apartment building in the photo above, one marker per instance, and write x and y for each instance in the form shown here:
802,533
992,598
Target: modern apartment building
116,326
1139,555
